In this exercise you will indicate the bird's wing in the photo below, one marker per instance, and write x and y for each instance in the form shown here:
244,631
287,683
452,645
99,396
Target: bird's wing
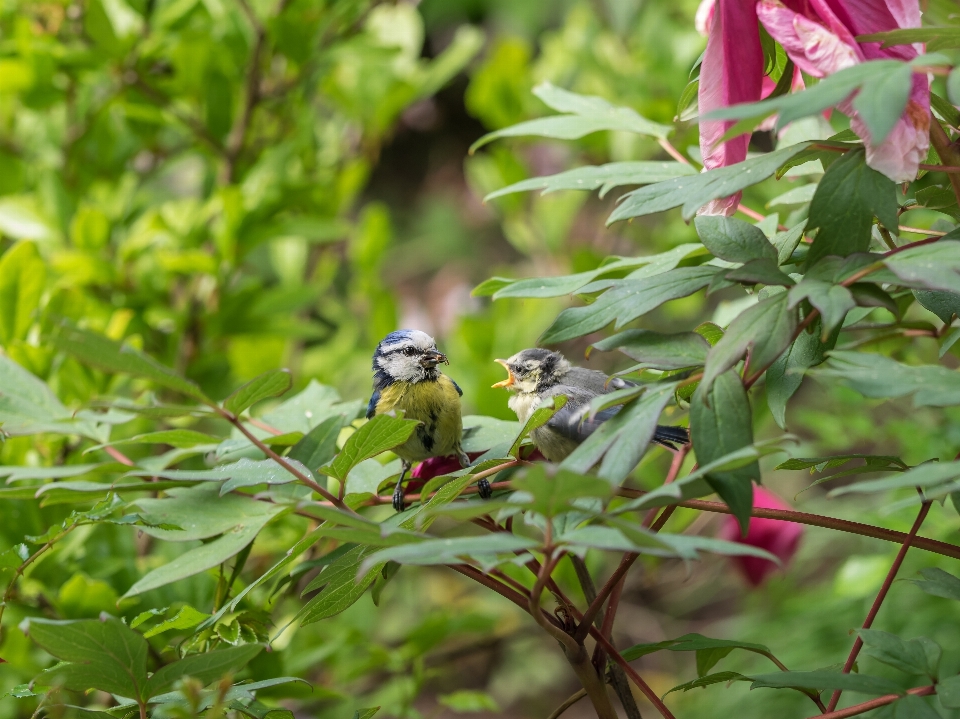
574,423
456,387
372,405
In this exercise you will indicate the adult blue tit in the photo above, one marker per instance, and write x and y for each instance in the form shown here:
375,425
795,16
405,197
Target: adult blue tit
406,376
535,375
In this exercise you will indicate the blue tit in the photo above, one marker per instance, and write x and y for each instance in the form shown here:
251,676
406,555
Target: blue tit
406,377
536,375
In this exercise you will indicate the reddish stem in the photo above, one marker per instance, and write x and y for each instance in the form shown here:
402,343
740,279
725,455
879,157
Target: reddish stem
119,456
881,595
631,672
856,709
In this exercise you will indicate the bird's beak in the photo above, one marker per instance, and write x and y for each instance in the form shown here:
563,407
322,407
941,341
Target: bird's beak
510,378
432,358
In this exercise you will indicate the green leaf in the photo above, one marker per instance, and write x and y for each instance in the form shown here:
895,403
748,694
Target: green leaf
198,560
381,433
102,654
627,300
874,375
926,476
623,439
718,678
365,713
588,114
953,86
692,643
763,332
943,304
539,417
485,549
319,445
915,656
174,437
938,583
556,492
659,351
764,271
465,700
847,199
797,196
606,177
928,267
341,586
833,301
882,100
27,406
721,423
270,384
186,618
541,287
828,680
734,240
205,667
100,351
22,279
692,193
948,690
785,375
936,38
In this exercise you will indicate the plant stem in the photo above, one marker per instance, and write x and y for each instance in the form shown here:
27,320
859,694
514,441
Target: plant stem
119,456
637,679
881,595
874,703
672,151
569,702
594,609
887,238
946,150
939,168
819,520
8,593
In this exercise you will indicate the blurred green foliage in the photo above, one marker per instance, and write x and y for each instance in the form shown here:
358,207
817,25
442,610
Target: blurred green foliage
236,186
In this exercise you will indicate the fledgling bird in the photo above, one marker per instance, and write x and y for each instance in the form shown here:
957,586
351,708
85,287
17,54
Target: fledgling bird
535,375
406,377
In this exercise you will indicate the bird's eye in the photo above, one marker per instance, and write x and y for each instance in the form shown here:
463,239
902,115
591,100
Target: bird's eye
410,351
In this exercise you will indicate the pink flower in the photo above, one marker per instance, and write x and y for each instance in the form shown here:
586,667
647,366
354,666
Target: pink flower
820,37
777,536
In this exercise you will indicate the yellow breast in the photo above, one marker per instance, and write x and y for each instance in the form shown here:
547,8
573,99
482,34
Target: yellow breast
436,405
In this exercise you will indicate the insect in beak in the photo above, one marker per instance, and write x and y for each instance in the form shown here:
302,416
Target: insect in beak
509,381
432,358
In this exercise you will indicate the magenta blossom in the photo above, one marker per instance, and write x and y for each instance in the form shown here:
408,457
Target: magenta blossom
777,536
820,37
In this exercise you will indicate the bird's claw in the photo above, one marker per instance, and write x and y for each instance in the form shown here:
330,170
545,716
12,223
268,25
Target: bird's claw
484,489
398,500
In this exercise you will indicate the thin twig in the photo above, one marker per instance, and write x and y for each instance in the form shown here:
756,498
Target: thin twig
881,595
946,151
594,609
119,456
856,709
631,672
939,168
569,702
672,151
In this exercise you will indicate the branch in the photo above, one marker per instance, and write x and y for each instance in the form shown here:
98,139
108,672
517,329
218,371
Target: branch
594,609
567,704
881,595
946,151
818,520
631,672
570,644
874,703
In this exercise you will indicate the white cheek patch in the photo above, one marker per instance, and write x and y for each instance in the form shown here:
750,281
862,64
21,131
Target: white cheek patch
400,367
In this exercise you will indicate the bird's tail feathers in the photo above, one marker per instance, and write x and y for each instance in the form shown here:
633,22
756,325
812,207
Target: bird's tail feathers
668,436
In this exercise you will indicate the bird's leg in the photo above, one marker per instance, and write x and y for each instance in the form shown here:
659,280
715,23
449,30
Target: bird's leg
483,486
398,491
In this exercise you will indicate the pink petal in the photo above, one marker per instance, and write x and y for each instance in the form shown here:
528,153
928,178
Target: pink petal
815,49
900,154
704,17
732,72
779,537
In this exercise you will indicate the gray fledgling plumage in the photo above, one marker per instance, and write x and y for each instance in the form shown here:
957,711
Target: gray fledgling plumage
536,375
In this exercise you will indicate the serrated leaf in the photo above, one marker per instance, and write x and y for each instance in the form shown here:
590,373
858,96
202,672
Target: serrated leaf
658,351
381,433
692,193
733,239
102,352
710,679
627,300
847,199
270,384
721,423
605,177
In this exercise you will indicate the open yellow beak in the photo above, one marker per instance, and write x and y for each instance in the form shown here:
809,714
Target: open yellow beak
510,378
